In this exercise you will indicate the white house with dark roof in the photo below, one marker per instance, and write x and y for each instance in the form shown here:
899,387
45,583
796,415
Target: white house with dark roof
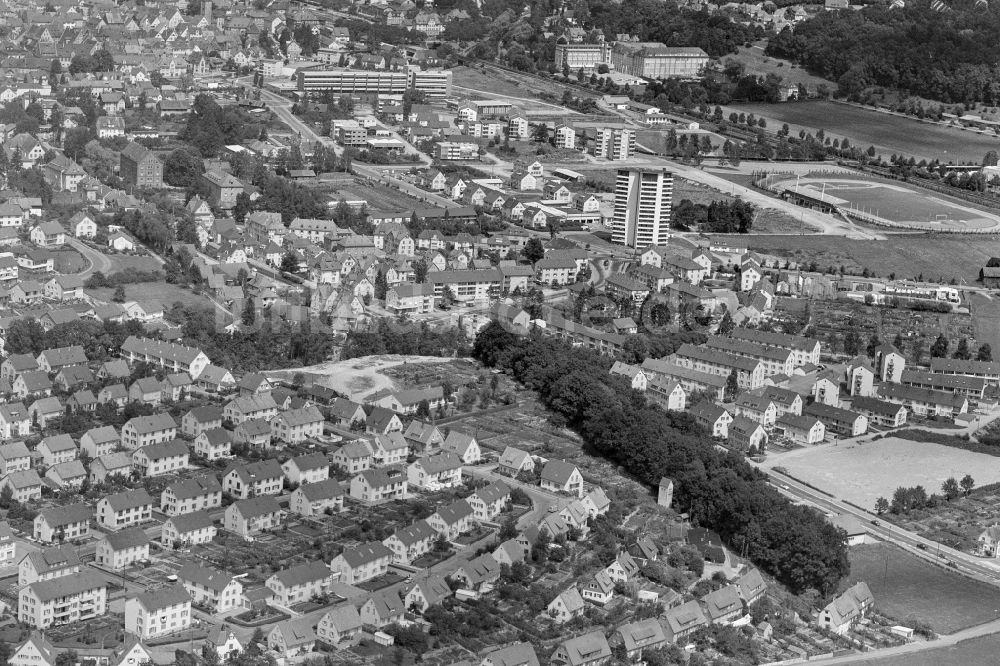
100,441
360,563
436,471
158,613
489,501
513,461
464,446
567,605
119,550
411,542
248,517
145,430
160,459
314,499
297,425
124,509
563,477
245,480
189,495
189,529
375,486
214,444
590,649
339,626
305,469
62,523
300,583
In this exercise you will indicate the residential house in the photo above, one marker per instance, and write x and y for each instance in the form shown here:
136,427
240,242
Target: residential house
124,509
122,549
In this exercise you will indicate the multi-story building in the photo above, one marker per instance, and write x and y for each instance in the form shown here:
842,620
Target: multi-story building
169,355
190,495
749,372
254,479
643,204
140,167
250,516
614,143
159,459
218,590
297,425
158,612
222,189
188,529
361,563
654,60
581,56
63,523
124,509
118,550
63,600
300,583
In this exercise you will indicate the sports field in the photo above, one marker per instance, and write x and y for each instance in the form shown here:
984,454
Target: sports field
888,133
894,203
861,473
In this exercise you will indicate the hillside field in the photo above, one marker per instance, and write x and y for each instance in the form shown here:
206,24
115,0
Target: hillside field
888,133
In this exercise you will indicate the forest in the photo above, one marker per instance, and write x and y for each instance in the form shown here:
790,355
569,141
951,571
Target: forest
720,491
950,56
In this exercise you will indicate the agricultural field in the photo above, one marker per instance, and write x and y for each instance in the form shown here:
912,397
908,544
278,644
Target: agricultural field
908,588
982,650
861,473
906,255
888,133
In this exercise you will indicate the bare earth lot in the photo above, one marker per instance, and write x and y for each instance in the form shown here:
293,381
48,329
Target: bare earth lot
889,133
906,587
357,377
861,473
907,256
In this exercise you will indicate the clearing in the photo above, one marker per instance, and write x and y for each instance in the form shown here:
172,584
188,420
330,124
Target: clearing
357,378
906,587
861,473
888,133
933,256
755,62
161,292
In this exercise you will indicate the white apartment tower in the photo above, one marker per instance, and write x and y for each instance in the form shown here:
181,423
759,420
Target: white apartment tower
643,199
614,143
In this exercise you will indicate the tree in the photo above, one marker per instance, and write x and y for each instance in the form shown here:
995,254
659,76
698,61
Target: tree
940,347
962,351
533,250
182,167
419,270
119,295
249,314
985,352
381,285
67,658
950,488
732,385
423,409
881,505
967,484
852,343
726,324
290,263
873,344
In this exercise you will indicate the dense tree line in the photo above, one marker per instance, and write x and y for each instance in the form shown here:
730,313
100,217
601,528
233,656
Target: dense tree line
719,490
949,56
99,340
720,217
274,346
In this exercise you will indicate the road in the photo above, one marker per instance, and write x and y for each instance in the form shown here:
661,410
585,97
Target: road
541,501
98,261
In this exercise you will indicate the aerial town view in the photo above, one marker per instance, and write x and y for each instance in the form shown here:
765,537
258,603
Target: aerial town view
483,333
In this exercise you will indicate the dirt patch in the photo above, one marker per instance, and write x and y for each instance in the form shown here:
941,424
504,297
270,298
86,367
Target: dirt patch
357,377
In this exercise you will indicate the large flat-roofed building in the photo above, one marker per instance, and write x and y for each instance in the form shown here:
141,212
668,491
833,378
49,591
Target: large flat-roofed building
643,201
654,60
491,107
582,56
435,83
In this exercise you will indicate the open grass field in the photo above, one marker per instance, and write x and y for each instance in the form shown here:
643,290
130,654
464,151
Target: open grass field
888,133
896,203
986,318
910,255
138,262
861,473
161,292
755,62
906,586
468,77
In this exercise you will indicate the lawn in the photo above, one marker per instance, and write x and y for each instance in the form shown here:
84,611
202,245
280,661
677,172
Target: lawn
467,77
958,257
861,473
888,133
138,262
906,586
